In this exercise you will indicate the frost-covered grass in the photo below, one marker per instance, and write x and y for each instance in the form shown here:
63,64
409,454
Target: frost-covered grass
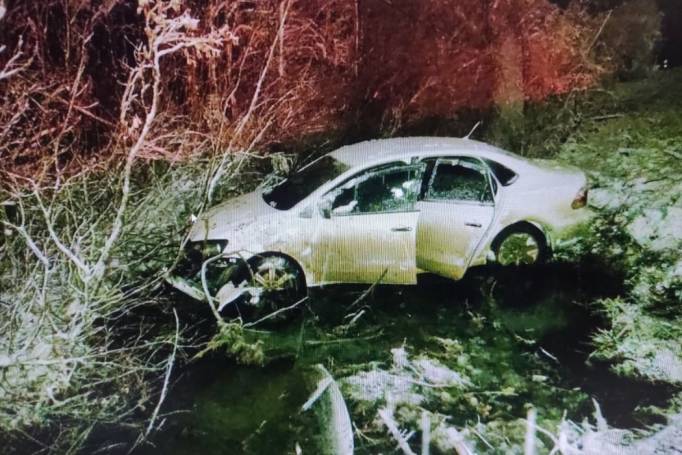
633,154
641,345
628,138
78,353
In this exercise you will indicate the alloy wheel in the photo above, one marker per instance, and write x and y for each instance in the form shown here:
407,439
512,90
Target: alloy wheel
273,274
520,248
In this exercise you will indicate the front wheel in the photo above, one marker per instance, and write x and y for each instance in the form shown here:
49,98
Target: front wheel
277,282
520,245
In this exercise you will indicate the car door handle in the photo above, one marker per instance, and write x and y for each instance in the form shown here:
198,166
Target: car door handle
401,229
476,225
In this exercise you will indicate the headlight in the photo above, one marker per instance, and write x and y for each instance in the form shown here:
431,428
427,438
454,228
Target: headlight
207,249
212,248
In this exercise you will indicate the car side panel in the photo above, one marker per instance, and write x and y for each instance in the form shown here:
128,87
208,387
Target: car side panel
447,235
547,208
365,249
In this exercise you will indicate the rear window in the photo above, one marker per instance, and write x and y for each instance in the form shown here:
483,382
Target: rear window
460,180
503,174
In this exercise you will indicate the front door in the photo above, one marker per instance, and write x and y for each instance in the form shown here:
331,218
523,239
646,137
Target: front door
369,230
455,213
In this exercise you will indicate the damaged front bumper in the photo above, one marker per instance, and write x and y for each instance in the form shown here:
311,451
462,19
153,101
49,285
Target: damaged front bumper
205,268
210,279
187,287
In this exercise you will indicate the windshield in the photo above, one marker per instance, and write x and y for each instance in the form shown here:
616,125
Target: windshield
302,183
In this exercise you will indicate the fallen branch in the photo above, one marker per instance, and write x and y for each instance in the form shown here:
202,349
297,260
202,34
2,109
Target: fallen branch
606,117
602,425
529,442
343,340
544,351
448,438
321,388
339,432
166,380
392,426
426,432
275,313
368,290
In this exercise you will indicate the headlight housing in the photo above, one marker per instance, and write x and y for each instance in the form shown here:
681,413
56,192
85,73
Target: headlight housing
580,199
197,252
209,248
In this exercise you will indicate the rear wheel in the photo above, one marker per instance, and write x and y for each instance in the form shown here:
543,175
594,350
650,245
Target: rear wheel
520,245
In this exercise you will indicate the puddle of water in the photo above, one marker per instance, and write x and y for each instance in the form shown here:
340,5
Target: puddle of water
518,323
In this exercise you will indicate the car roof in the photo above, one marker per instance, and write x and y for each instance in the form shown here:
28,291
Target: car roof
403,148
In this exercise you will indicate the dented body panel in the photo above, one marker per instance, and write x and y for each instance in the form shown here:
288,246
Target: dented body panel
339,233
448,235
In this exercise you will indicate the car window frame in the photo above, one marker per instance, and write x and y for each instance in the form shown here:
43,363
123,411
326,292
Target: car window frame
388,166
493,185
265,189
490,161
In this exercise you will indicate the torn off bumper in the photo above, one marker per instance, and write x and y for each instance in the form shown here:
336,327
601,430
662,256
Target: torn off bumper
187,287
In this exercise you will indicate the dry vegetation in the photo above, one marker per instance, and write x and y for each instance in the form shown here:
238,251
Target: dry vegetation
277,72
91,90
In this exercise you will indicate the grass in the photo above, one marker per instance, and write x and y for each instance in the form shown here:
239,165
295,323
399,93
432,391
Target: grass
77,355
632,151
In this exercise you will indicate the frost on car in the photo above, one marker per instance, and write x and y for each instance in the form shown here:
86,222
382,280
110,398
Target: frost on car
383,210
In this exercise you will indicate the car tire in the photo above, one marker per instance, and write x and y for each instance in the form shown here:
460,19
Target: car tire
281,281
521,244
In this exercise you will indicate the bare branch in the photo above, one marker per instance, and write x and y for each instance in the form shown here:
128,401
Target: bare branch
13,65
166,379
166,36
255,99
29,242
78,262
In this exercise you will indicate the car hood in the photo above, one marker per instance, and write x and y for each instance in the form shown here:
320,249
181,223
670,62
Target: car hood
224,220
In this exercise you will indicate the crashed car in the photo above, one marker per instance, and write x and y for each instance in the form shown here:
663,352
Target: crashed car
383,211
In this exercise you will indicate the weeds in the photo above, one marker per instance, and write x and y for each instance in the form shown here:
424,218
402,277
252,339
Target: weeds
232,339
636,191
63,357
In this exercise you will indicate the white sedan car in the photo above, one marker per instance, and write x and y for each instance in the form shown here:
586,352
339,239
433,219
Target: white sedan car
384,211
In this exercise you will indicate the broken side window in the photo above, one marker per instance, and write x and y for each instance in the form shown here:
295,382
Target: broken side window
460,180
388,190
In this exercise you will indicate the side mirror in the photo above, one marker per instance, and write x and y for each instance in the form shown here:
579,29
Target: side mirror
325,207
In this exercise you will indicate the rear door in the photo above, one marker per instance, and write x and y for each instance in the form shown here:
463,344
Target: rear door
456,210
369,232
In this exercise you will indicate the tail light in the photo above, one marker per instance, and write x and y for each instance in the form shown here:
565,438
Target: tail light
580,199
